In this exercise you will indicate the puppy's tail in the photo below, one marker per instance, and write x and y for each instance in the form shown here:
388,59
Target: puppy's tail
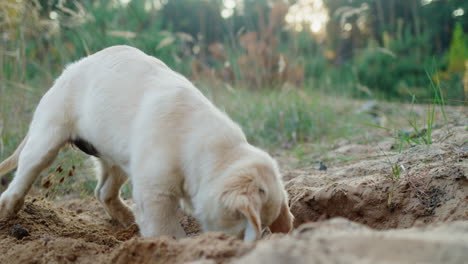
12,162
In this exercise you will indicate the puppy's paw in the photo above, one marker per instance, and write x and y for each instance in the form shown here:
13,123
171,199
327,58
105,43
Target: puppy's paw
126,217
10,204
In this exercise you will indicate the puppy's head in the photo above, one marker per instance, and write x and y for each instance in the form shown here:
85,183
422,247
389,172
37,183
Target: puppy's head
254,198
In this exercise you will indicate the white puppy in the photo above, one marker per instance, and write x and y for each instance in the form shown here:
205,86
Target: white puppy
146,122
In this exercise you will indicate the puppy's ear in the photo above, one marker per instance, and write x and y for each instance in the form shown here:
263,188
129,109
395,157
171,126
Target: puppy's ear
253,230
242,195
284,222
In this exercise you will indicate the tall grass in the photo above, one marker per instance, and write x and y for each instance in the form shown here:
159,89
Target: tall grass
284,118
422,127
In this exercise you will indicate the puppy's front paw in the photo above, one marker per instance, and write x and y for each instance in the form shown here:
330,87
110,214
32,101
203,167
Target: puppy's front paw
10,204
125,217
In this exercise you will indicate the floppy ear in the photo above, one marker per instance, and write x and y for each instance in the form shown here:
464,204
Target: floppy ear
242,195
253,230
284,222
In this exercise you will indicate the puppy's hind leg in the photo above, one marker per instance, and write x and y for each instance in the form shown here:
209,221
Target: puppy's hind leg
40,149
110,180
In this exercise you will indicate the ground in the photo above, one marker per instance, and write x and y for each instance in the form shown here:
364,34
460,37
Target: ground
369,203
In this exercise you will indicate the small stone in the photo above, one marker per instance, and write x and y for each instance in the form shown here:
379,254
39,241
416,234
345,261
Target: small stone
19,231
72,257
46,182
59,169
322,167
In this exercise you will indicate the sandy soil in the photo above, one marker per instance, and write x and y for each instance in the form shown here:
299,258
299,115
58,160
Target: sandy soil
358,211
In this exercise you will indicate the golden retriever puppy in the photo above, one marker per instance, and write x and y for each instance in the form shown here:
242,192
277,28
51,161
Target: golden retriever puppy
144,122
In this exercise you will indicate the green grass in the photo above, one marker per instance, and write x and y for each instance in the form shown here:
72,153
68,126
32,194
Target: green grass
286,118
421,127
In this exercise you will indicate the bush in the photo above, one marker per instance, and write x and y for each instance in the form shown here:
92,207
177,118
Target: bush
458,51
402,64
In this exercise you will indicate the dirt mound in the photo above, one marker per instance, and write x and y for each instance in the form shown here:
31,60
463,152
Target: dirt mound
216,247
342,241
80,231
59,235
421,185
54,234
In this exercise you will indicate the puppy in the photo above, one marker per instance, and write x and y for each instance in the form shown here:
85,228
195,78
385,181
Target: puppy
145,122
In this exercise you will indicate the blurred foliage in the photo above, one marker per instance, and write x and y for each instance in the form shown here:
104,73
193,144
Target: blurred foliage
394,69
458,51
370,48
